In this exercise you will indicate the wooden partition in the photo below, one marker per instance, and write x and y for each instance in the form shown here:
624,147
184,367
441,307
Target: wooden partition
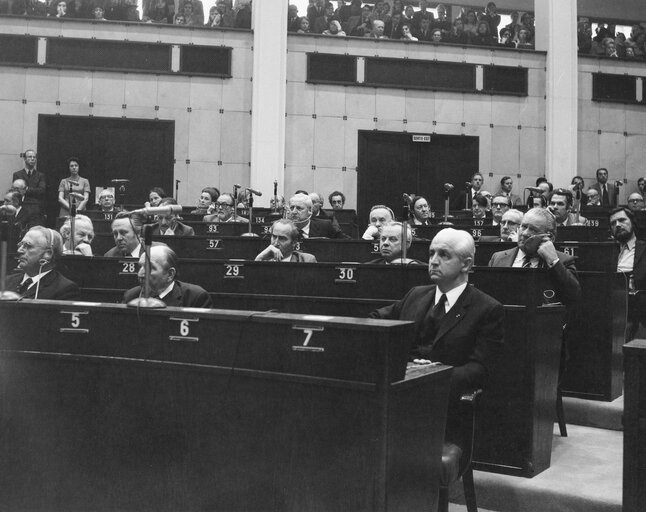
110,408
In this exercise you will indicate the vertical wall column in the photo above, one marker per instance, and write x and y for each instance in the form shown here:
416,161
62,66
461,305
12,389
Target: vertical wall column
268,97
555,34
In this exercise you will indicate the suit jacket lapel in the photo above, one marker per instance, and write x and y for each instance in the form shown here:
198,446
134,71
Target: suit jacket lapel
45,281
509,257
174,298
455,314
639,252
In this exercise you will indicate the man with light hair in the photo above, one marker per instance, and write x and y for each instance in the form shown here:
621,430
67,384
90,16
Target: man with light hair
390,245
380,215
300,212
456,324
83,236
38,252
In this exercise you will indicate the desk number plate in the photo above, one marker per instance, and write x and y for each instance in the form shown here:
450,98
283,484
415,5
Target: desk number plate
185,326
74,319
233,271
308,331
345,275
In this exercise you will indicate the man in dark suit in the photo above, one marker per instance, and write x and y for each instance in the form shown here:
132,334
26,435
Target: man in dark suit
455,323
464,200
536,250
607,191
38,252
300,211
631,261
20,219
168,225
284,237
390,245
163,283
34,196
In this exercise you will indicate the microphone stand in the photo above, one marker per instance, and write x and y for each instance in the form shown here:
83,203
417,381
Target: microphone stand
120,185
145,300
235,203
177,182
404,237
250,201
72,223
466,197
4,236
446,222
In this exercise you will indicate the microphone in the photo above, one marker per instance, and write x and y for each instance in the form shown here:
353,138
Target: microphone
408,198
253,191
169,209
237,186
534,189
448,187
8,209
275,187
468,184
618,183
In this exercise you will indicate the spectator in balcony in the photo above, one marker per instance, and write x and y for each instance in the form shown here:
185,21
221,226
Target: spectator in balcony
322,23
409,13
514,26
458,35
304,27
61,9
180,20
378,12
597,48
492,18
334,29
345,12
422,14
470,23
610,49
506,38
406,28
293,21
393,27
442,21
31,8
316,11
398,7
190,18
159,11
221,16
483,36
122,10
98,14
363,26
437,36
524,39
243,14
527,21
640,47
425,33
584,37
629,51
377,31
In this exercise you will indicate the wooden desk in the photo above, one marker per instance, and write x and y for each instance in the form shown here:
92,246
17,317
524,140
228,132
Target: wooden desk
188,410
634,426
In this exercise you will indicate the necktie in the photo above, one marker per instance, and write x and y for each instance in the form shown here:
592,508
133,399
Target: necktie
606,200
439,310
22,287
527,262
429,328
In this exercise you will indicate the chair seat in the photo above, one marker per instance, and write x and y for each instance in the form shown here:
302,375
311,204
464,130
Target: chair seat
451,455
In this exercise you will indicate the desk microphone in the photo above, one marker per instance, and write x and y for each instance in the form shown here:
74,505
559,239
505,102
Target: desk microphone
534,189
8,209
169,209
408,198
253,191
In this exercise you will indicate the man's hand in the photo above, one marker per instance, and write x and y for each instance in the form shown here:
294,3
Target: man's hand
271,253
547,251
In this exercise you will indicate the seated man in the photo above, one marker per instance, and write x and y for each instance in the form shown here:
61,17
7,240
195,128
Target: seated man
38,252
509,223
380,215
21,219
560,204
277,205
593,197
168,225
337,200
479,207
635,202
224,211
499,206
83,236
164,283
536,250
106,201
390,245
300,211
456,324
126,238
284,236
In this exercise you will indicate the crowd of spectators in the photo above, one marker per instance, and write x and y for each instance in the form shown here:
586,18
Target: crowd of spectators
225,14
382,20
610,43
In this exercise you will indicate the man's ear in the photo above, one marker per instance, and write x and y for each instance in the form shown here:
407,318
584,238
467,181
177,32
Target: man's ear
172,272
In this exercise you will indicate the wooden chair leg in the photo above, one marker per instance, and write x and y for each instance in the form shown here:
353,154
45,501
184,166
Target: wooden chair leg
560,414
469,491
444,500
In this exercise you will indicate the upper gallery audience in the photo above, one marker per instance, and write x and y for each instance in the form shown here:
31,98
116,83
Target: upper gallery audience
38,253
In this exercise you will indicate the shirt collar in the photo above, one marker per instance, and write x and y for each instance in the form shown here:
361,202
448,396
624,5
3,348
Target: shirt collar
35,278
452,296
136,252
167,290
630,244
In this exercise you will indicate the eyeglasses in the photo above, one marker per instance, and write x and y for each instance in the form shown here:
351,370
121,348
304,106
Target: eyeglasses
222,204
635,200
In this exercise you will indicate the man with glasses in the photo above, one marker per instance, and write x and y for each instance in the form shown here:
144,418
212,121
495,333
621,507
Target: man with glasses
509,224
224,211
635,202
500,204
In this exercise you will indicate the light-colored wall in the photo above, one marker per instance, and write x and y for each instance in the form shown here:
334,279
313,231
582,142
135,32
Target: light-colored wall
611,135
204,136
329,142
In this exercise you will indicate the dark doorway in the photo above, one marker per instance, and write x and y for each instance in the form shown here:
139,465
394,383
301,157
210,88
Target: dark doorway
141,151
391,164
